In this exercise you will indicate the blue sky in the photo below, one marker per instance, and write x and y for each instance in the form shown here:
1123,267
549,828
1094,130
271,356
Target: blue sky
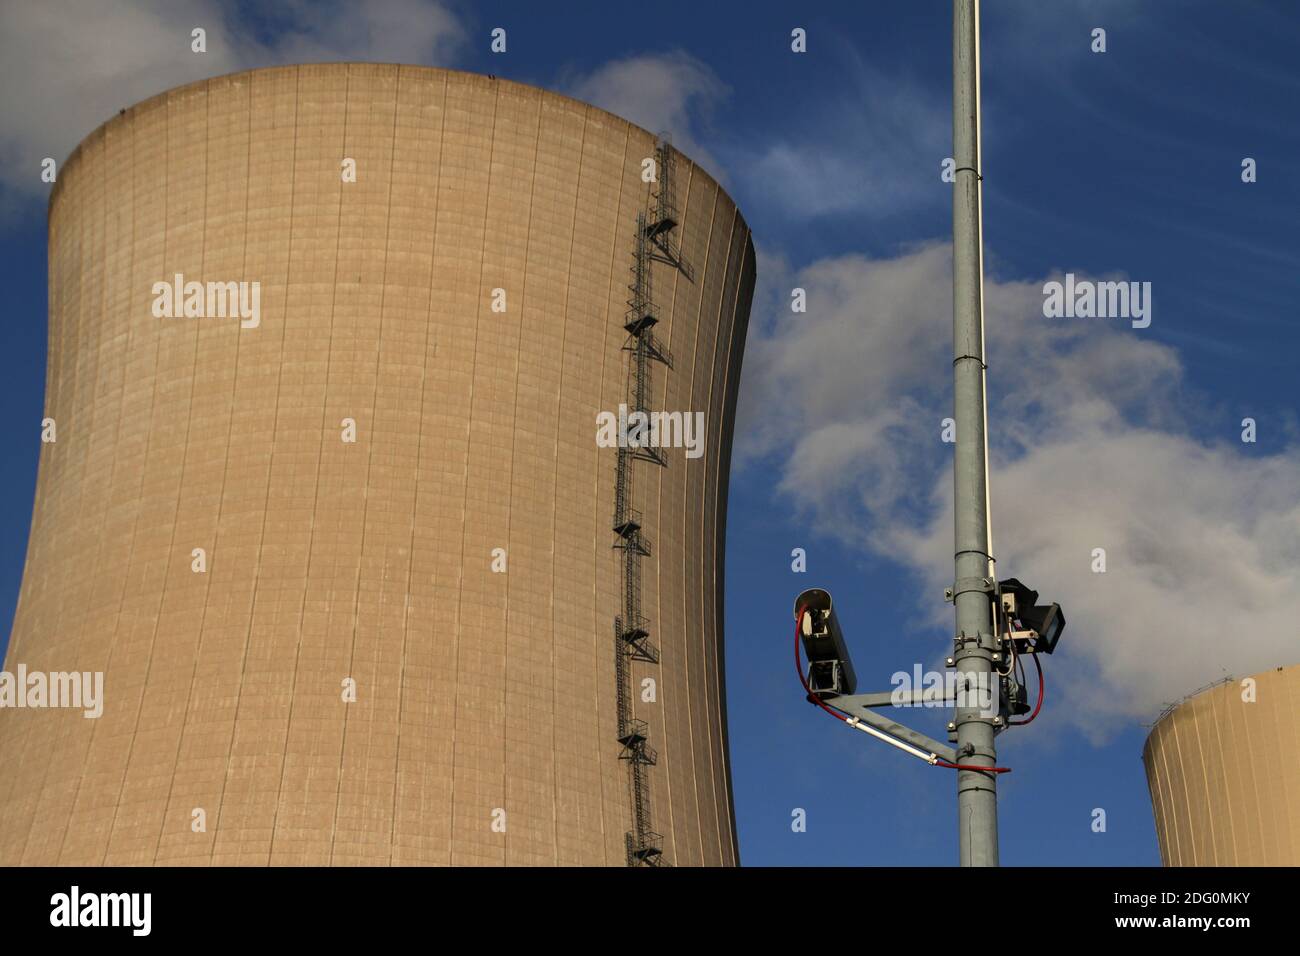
1118,164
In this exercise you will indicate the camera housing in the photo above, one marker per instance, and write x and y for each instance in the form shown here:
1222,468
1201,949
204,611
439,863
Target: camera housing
1042,624
830,672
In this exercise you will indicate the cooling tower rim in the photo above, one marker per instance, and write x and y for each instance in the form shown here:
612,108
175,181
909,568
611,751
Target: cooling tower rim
1187,698
127,113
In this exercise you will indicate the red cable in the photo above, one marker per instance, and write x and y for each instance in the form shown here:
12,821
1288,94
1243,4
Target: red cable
953,766
813,698
1042,691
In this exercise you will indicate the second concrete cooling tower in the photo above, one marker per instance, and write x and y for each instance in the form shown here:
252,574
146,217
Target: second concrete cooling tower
325,503
1223,774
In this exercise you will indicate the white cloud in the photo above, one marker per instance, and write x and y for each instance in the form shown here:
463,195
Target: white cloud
664,92
874,147
65,66
1094,446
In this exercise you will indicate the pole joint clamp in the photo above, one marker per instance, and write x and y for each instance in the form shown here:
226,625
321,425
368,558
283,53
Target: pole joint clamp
981,643
982,585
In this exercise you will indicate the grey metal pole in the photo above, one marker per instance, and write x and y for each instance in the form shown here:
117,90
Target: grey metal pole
975,645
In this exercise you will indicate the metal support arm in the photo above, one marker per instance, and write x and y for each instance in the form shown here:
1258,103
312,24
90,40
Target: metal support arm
859,706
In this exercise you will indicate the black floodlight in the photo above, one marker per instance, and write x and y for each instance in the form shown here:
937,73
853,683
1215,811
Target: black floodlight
1041,624
830,673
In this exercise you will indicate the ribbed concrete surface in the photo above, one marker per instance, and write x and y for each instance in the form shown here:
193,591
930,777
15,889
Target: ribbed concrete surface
476,691
1225,776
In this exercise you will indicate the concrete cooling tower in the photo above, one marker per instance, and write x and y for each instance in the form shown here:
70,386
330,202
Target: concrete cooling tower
388,422
1223,773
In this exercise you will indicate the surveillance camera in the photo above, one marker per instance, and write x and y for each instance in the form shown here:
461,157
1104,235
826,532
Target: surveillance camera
1015,697
1041,624
830,672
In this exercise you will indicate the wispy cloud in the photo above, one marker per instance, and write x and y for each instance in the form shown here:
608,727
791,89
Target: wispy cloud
669,92
873,146
1096,445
